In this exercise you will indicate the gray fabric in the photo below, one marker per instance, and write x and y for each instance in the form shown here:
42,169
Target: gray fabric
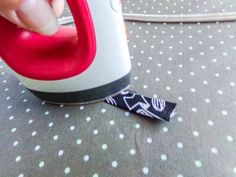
174,7
192,64
178,6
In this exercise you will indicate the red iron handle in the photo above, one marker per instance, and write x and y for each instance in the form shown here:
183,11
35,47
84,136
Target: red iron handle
59,56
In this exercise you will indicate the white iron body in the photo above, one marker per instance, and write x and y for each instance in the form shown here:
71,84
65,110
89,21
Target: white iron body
112,60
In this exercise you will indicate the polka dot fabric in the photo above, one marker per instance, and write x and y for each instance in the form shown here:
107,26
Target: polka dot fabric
174,7
192,64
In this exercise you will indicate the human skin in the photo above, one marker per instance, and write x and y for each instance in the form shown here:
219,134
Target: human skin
34,15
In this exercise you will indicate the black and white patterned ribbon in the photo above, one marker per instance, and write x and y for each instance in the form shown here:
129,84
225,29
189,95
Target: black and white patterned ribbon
142,105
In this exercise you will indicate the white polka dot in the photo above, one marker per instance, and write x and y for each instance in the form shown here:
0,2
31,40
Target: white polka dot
81,108
180,145
121,136
168,88
41,164
11,117
67,170
163,157
55,137
149,140
180,80
192,73
34,133
114,164
95,132
137,126
78,141
157,79
95,175
214,150
198,163
224,113
196,133
104,146
37,147
214,60
194,109
27,110
21,175
191,59
13,130
232,84
220,92
50,124
169,72
210,123
60,152
88,119
46,113
207,100
30,121
67,116
229,138
112,122
155,96
126,113
224,54
72,127
180,119
103,110
15,143
179,175
234,170
145,170
165,129
18,158
132,151
205,82
145,86
86,158
193,90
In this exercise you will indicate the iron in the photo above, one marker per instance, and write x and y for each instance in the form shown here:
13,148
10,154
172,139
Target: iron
76,65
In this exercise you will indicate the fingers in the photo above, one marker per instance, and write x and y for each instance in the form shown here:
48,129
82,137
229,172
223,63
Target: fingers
58,7
12,17
35,15
9,4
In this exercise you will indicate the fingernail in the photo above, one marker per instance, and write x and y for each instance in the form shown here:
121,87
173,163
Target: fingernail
58,7
38,15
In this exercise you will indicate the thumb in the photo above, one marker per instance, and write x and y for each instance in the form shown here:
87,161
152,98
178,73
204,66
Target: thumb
38,16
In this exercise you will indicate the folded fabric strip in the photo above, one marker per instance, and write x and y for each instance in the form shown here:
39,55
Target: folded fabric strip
142,105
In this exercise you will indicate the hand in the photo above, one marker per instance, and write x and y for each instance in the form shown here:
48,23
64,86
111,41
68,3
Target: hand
35,15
